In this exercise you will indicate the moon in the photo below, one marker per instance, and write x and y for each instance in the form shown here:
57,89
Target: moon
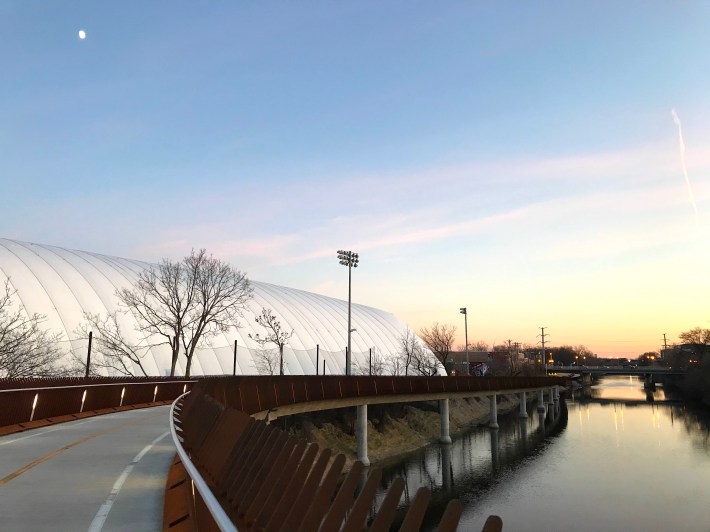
82,34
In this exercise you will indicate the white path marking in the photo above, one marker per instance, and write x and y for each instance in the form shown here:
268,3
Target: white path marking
64,426
100,518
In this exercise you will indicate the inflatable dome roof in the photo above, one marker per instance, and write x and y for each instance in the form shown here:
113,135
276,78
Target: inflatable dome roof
62,284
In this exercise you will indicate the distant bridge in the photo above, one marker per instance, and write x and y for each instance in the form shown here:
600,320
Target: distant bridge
616,370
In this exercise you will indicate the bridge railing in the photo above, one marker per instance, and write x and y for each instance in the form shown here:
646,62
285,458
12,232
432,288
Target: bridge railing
258,477
28,403
257,394
249,475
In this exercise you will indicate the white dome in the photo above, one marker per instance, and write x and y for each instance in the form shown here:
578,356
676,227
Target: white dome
62,284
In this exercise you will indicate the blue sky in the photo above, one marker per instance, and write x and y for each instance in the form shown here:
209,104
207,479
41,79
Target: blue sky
518,159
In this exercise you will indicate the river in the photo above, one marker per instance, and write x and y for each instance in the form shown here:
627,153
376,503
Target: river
616,458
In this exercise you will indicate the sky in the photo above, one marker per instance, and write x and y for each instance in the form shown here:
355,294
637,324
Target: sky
542,164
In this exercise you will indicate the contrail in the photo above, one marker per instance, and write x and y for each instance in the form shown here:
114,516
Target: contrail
681,144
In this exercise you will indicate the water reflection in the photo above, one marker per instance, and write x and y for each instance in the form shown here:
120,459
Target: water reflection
474,462
612,444
624,448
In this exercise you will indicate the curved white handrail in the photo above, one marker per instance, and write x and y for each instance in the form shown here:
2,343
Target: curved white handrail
215,508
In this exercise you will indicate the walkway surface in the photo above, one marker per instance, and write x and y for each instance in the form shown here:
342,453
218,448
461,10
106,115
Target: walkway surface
101,473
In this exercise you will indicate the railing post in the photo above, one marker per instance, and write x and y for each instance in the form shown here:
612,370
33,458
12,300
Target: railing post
361,434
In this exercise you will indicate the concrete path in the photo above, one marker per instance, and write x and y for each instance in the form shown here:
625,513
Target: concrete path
101,473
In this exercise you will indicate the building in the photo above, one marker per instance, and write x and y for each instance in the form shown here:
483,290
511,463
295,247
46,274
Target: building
63,284
478,361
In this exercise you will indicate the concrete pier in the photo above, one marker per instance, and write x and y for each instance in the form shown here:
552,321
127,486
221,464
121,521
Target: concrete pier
541,401
552,406
523,405
444,436
361,434
493,417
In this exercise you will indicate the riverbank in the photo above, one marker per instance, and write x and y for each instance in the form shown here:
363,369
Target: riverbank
394,429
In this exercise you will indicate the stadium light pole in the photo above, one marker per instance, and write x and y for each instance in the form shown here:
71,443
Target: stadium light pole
349,259
462,310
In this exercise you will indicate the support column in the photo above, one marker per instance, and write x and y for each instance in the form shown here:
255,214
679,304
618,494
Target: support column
523,405
361,434
556,396
493,412
444,436
540,401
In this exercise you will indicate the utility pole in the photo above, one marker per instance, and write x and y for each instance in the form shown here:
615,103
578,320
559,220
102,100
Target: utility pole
544,355
665,345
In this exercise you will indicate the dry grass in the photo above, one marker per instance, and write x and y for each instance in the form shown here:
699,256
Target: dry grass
408,428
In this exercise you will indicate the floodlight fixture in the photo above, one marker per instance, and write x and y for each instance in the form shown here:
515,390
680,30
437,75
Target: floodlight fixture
349,259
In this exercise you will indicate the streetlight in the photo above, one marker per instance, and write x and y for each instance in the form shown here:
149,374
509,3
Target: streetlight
349,259
462,310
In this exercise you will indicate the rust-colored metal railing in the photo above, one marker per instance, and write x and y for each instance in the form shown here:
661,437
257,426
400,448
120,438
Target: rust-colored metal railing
249,475
27,403
257,394
256,477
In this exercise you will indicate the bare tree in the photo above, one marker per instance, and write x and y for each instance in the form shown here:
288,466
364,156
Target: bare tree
116,353
440,339
189,300
696,336
274,334
267,361
410,351
374,366
423,363
475,346
26,350
396,365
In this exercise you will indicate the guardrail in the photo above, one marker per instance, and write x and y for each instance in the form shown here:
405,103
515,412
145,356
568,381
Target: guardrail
260,394
249,475
29,403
